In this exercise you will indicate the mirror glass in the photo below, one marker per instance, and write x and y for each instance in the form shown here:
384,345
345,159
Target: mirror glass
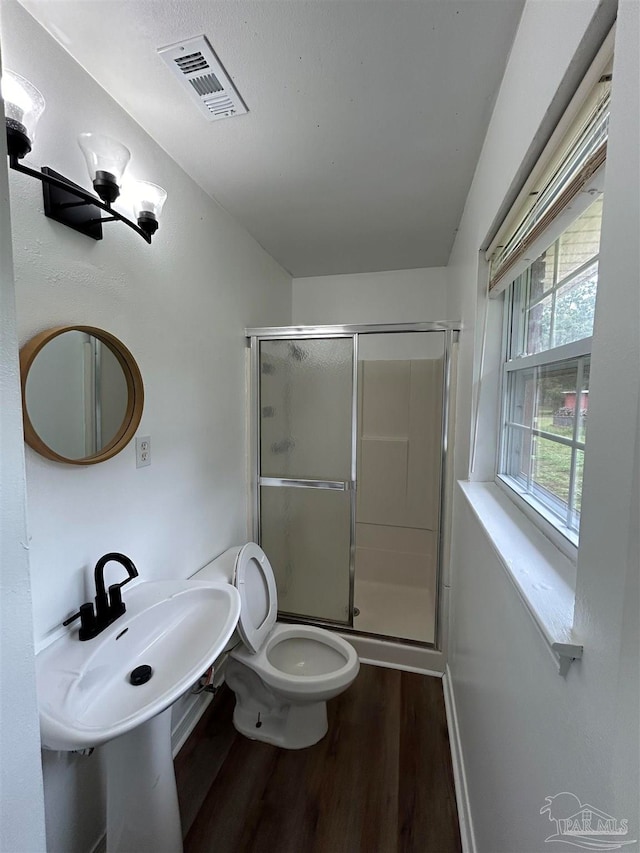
76,395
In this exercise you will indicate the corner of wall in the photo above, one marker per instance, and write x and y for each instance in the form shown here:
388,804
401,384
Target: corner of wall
22,803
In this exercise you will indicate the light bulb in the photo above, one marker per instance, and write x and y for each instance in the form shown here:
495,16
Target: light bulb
148,204
106,161
23,106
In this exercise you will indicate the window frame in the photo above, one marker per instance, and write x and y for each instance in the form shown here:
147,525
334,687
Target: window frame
516,304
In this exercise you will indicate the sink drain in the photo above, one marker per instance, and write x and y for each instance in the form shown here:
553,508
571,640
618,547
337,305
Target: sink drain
141,674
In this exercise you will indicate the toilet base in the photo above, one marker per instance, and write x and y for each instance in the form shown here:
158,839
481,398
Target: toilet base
289,726
262,714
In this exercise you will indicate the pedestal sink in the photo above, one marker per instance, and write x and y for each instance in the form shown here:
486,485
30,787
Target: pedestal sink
86,698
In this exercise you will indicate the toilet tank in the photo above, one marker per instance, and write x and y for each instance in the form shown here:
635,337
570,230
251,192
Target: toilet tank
222,568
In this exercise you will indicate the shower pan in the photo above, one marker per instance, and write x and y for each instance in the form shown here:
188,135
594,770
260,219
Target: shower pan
349,449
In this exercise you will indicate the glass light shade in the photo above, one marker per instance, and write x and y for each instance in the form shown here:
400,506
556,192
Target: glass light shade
148,198
105,155
23,103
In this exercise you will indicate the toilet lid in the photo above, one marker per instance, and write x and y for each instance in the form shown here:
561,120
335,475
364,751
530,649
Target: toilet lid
258,597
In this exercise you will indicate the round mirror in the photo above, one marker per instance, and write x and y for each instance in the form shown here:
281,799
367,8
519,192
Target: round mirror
82,394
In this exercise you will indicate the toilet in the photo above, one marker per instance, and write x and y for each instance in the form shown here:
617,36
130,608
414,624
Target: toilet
282,675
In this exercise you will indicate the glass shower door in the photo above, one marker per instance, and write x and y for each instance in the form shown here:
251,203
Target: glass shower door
306,472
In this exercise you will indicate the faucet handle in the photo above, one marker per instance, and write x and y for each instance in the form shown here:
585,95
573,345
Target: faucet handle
83,613
88,622
88,625
116,605
71,619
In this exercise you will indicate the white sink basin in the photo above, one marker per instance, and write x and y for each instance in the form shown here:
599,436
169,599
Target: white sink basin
177,627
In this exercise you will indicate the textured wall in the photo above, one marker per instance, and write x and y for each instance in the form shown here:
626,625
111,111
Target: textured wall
527,733
180,306
397,296
21,795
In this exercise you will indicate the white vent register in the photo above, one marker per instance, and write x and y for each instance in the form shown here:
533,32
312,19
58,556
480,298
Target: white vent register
199,70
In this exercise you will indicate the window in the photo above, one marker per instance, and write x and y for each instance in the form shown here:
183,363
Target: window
548,328
544,260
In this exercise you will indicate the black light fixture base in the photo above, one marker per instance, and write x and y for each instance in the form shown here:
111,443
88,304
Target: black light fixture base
18,143
106,187
148,222
73,206
64,207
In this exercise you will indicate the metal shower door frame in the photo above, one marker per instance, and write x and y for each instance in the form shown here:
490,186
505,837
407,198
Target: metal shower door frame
255,336
258,481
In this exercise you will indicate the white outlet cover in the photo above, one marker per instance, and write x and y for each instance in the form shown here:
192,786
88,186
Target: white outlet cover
143,451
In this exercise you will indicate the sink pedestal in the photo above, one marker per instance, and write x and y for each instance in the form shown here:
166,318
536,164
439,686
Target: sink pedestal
142,801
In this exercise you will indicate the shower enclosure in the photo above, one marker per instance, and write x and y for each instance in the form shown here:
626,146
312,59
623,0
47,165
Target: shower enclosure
348,437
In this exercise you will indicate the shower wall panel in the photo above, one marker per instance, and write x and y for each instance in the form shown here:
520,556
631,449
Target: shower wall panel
399,470
399,483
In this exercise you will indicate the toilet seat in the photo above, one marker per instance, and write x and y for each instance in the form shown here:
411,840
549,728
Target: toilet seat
256,583
299,684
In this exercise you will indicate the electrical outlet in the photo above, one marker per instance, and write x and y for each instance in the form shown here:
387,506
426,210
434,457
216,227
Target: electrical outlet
143,451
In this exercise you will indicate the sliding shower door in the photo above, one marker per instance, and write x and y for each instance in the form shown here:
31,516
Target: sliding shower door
349,438
306,472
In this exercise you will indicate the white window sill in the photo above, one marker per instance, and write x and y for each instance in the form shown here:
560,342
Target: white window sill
540,516
543,576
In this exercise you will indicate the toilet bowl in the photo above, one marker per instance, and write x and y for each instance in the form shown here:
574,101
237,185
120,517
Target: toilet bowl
282,675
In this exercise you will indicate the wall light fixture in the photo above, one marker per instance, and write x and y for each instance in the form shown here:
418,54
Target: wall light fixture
106,158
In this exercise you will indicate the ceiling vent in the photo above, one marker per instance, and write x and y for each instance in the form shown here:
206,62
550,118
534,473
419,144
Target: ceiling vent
195,64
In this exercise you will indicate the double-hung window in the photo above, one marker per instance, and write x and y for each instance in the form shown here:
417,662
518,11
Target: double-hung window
548,328
545,262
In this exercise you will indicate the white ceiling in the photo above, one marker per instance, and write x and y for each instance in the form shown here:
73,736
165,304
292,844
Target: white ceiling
366,117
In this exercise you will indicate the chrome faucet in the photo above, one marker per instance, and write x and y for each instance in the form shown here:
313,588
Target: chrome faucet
107,607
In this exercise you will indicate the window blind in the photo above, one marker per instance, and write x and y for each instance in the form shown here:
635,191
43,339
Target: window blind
557,182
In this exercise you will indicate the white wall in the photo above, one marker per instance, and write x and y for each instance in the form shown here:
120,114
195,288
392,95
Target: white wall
526,733
607,602
21,793
180,305
397,296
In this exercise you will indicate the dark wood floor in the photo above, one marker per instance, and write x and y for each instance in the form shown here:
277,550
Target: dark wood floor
380,781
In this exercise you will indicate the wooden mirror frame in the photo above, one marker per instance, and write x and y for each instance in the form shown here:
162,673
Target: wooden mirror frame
135,393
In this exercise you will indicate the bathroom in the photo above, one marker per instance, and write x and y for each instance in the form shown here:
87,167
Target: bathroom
182,304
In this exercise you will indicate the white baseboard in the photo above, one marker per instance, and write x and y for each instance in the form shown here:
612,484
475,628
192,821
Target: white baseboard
402,667
459,777
397,655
